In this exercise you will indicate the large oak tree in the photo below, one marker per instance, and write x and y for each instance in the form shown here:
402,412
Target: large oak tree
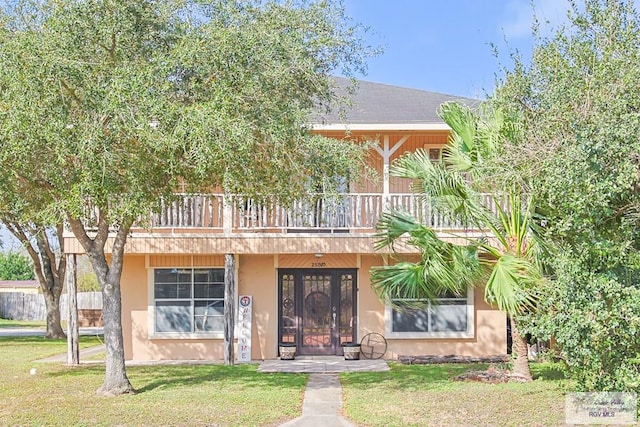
106,106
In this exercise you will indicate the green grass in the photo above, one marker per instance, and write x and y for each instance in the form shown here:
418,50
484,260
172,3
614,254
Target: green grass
213,395
425,395
216,395
6,323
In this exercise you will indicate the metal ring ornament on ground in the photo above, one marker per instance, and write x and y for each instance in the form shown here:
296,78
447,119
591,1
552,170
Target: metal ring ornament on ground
373,346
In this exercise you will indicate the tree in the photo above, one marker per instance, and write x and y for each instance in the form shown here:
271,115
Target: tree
46,262
107,106
15,266
576,105
40,241
466,188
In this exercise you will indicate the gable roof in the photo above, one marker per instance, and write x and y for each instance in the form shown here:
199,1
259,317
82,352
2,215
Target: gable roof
377,106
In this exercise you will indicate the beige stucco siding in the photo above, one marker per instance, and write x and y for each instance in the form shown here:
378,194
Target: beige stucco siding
137,302
257,276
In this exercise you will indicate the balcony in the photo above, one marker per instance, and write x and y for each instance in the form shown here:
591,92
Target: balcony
316,213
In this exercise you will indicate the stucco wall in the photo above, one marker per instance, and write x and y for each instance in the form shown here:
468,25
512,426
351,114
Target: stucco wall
257,276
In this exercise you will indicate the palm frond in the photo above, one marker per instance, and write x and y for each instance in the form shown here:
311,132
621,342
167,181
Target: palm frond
511,282
505,262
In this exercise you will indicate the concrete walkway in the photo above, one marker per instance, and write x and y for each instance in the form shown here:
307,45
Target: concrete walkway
84,353
27,332
322,403
322,364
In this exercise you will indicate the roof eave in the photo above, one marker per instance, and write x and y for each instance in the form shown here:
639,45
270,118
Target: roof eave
381,127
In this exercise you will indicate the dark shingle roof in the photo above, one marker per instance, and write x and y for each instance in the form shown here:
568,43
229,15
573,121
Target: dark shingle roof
376,103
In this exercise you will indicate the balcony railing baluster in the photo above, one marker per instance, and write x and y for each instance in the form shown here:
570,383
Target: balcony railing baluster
317,212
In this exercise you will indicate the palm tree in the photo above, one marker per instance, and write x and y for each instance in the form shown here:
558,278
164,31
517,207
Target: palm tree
464,188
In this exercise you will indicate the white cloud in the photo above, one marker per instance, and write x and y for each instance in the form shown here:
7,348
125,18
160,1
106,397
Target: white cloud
519,14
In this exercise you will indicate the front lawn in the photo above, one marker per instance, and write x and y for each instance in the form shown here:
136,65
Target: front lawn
425,395
168,395
7,323
417,395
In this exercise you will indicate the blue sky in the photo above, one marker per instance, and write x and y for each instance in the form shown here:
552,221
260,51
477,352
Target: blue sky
445,46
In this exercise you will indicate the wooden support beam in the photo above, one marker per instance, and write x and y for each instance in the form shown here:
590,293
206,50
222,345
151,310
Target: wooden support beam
229,308
73,348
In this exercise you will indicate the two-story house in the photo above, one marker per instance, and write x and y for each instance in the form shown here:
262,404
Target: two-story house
306,266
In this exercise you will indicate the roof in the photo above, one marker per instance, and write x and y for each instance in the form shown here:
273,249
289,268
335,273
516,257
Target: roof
385,107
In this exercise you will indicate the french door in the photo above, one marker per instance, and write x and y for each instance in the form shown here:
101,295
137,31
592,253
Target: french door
317,309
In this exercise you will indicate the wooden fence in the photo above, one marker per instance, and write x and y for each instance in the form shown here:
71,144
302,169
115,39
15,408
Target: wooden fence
23,306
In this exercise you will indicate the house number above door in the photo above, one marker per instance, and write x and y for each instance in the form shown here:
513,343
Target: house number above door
318,264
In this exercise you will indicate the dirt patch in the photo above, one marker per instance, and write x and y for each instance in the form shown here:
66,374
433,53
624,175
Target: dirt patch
492,375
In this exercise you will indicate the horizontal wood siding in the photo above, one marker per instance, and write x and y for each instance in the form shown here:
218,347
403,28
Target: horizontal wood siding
186,261
170,261
398,185
265,244
311,261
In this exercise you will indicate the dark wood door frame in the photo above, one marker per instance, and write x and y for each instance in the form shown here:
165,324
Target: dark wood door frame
319,320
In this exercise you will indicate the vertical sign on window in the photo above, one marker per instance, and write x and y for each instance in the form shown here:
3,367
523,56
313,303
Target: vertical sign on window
244,323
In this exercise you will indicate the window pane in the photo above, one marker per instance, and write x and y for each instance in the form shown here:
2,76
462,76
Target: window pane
209,308
209,323
449,316
209,316
165,275
173,316
210,275
184,276
410,319
165,290
205,290
184,290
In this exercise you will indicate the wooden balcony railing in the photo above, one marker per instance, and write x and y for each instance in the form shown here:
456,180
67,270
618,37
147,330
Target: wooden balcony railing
314,213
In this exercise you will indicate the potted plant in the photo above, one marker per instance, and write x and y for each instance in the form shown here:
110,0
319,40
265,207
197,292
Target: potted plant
351,350
287,351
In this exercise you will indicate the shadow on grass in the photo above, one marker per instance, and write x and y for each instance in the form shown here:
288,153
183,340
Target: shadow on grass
550,371
246,376
410,377
167,377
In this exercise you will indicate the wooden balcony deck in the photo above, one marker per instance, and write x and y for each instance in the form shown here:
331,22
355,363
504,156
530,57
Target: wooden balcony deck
316,213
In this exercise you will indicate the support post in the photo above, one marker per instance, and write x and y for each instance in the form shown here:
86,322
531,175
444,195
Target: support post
73,348
229,308
227,214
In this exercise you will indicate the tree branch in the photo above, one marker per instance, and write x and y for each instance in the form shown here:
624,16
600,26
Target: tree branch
103,229
81,234
118,248
47,259
18,231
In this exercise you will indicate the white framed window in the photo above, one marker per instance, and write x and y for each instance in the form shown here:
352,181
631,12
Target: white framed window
435,155
452,316
188,301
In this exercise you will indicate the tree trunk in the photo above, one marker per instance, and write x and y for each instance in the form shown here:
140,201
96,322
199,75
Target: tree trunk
52,304
116,381
109,274
519,347
229,307
73,345
51,280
